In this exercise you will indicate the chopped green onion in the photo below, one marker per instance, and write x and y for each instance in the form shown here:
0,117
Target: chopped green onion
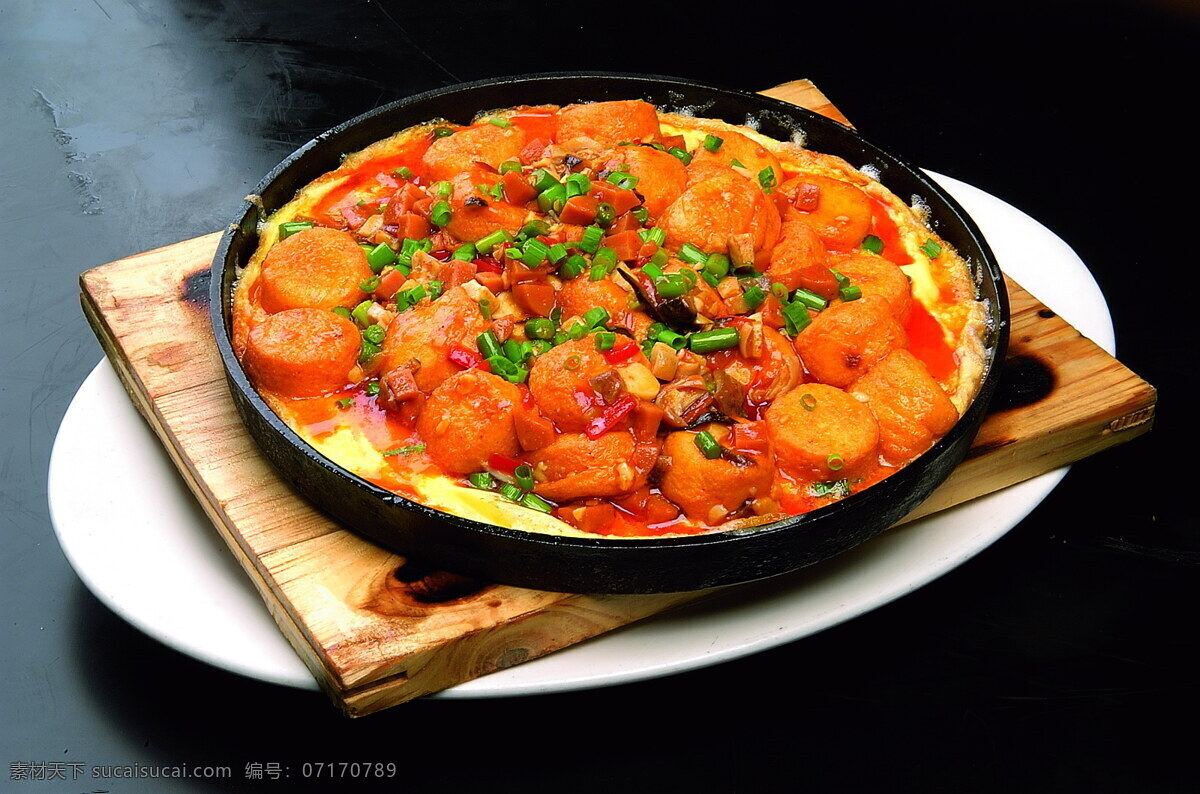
674,340
766,178
539,346
517,352
605,214
837,488
539,328
412,449
754,296
435,289
671,285
691,254
443,189
641,213
465,252
709,279
367,352
780,292
590,241
557,253
835,462
486,243
502,123
534,252
680,154
380,257
489,345
404,172
506,369
598,316
652,270
931,249
712,143
359,313
708,445
842,279
552,198
289,228
736,163
796,317
369,285
571,268
535,502
810,299
623,180
485,308
374,333
654,235
411,245
511,492
605,340
441,213
578,185
605,256
510,165
872,244
442,132
850,293
342,311
523,474
717,264
713,340
808,401
573,361
482,480
373,388
543,180
345,403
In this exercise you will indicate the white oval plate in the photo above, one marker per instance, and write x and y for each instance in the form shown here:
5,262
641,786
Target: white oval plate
140,542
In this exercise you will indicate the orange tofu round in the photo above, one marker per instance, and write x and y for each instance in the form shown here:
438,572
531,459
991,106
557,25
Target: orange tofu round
426,334
708,490
481,143
317,268
483,215
842,216
577,467
609,123
302,352
911,408
661,177
737,148
468,418
799,258
822,433
846,339
875,275
560,382
710,213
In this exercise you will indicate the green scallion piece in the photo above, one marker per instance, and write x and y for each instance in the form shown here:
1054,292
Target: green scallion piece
535,502
489,345
796,317
404,172
842,279
808,401
465,252
506,369
605,214
767,179
641,214
372,389
836,488
753,296
543,180
435,289
810,299
578,185
411,449
712,143
835,462
523,474
558,252
482,480
931,249
680,154
718,265
502,123
605,340
691,254
534,252
572,267
289,228
652,270
708,445
511,492
654,235
443,189
367,352
441,213
675,340
596,317
872,244
576,332
344,403
539,328
517,352
374,334
713,340
671,285
442,132
590,241
485,244
605,256
623,180
342,311
510,165
380,257
359,313
552,198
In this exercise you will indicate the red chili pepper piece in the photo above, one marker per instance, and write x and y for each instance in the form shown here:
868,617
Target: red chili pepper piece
622,351
611,416
464,357
503,463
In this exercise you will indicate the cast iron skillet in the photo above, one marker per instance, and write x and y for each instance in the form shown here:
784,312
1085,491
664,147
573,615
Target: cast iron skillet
601,565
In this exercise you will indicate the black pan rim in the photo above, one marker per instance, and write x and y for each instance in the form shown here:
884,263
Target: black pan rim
986,270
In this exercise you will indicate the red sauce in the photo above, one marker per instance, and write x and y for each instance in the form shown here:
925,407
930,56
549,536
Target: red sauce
883,227
927,341
537,122
373,179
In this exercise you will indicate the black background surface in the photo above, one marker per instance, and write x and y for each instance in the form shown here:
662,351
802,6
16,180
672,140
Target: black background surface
1063,658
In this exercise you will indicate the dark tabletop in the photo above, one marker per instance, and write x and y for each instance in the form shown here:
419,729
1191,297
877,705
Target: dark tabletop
1062,658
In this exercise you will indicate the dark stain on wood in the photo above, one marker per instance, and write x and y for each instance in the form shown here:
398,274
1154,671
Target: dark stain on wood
980,448
1025,380
425,586
195,289
1046,314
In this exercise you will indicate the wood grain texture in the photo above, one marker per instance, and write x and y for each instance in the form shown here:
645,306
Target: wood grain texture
374,630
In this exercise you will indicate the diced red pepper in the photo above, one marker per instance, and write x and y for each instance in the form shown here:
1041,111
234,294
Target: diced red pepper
579,210
749,437
623,350
464,357
487,264
493,281
401,202
807,197
612,415
503,463
390,283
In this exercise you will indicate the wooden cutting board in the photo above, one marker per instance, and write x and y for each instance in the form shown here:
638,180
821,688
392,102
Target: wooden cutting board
374,630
